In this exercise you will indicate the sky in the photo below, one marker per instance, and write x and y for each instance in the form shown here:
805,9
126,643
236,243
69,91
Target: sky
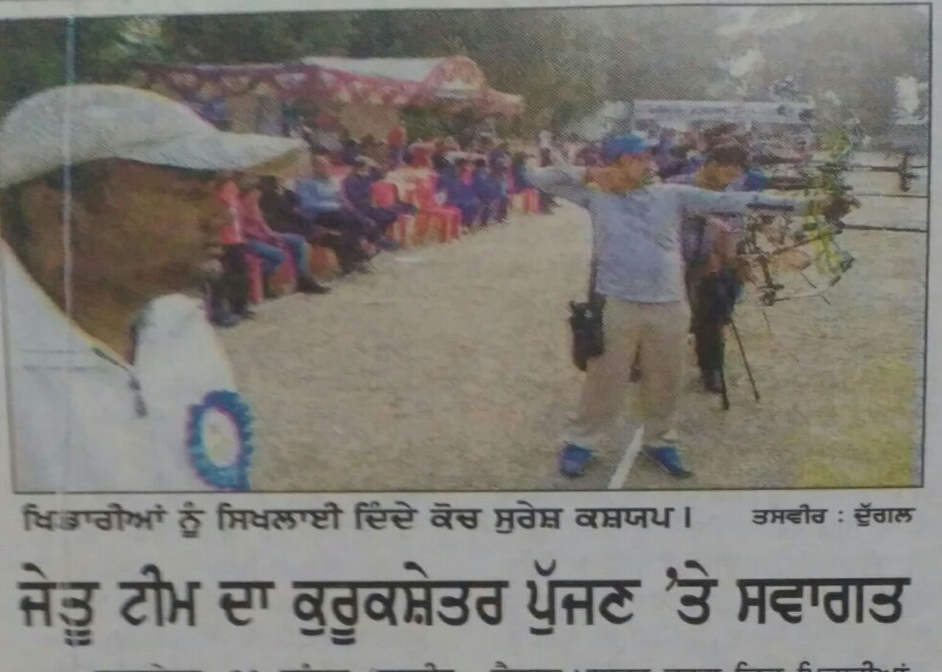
746,19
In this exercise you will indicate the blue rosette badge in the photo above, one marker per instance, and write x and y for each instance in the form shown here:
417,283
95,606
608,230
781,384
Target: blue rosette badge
219,440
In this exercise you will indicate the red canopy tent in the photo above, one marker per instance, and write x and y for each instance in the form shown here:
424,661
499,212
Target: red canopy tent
366,94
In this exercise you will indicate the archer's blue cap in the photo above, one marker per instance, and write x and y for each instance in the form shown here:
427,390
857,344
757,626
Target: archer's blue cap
631,144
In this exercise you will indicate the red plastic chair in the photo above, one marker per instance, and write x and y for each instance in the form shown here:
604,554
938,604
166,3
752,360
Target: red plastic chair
283,280
526,200
324,263
432,215
386,195
403,230
530,200
253,267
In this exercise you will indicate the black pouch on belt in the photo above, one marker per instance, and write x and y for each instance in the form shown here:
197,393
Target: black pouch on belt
585,321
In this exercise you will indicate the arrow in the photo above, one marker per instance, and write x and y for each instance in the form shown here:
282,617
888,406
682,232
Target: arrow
901,229
875,195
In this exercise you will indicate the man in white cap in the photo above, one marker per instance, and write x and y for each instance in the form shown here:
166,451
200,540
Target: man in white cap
115,378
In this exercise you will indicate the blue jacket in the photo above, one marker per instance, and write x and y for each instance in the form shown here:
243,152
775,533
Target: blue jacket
485,186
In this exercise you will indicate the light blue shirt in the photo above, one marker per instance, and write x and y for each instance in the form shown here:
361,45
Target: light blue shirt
316,196
636,236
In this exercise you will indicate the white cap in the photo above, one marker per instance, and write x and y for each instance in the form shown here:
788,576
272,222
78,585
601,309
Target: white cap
86,122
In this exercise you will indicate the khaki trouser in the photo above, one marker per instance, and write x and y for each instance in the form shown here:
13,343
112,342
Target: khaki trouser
659,331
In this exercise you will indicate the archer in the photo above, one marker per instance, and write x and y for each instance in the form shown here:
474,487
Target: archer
636,234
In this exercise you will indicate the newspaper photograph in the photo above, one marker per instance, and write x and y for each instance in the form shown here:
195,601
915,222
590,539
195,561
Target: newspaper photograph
449,337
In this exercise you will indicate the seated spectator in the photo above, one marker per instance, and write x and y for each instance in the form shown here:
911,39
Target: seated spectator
456,184
464,166
321,205
270,245
279,207
518,170
358,189
498,159
229,291
489,190
319,193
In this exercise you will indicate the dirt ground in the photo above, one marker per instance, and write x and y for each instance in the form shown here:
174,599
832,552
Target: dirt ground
448,369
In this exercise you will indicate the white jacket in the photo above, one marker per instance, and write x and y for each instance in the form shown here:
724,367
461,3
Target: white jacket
76,422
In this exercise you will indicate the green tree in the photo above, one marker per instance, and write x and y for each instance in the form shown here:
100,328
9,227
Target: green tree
33,57
546,56
104,51
661,52
246,38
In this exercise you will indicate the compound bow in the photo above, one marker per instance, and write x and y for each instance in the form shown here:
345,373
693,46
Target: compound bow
768,236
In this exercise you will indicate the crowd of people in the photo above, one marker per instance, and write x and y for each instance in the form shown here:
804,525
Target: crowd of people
274,224
276,221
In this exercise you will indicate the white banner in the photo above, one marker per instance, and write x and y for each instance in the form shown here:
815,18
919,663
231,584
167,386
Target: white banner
686,111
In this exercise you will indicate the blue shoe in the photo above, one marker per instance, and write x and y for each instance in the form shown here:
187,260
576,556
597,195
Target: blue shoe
573,459
667,459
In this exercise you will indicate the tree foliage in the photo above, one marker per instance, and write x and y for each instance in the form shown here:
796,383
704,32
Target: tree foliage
38,48
33,53
247,38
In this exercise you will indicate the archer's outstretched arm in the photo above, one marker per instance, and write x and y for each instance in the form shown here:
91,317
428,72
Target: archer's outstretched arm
694,201
567,182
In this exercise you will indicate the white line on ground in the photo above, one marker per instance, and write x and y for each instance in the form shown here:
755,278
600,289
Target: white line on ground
620,475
